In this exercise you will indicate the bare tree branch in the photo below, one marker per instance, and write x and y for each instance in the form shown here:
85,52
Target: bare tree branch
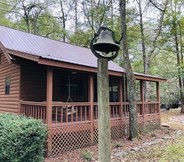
157,6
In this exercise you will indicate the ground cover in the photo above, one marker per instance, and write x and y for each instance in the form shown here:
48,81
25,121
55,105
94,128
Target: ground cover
165,144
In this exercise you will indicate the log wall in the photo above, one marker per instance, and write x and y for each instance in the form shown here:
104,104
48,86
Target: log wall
9,102
33,82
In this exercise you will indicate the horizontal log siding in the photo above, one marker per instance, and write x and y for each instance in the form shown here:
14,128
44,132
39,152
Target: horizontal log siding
9,103
33,82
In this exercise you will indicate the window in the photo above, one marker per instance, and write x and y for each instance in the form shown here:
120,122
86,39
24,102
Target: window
7,86
113,92
74,86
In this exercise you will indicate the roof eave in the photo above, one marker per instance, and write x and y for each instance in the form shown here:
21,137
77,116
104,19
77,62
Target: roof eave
149,78
4,51
55,63
23,55
68,65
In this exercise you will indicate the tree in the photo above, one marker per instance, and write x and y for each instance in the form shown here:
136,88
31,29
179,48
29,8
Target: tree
4,20
129,74
31,16
147,56
63,19
174,26
28,12
96,13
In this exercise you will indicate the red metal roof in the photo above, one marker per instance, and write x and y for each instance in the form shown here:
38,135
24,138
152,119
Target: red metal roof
34,45
49,49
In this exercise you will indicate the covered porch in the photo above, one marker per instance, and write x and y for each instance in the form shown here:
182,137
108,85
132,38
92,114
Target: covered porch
72,116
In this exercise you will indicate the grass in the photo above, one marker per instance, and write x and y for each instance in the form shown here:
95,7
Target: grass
171,150
165,119
174,151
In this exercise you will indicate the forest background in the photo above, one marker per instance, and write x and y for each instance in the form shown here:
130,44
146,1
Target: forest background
155,32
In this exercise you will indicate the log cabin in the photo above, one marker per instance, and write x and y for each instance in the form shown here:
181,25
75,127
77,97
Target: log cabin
57,83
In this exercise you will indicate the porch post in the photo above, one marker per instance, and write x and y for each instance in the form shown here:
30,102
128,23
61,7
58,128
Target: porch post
158,96
142,100
49,108
121,106
49,97
121,98
91,100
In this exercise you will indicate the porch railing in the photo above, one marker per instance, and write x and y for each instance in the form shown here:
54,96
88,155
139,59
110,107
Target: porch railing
80,112
33,109
70,112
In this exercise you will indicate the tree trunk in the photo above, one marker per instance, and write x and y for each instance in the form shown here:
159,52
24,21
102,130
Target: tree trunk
182,79
179,64
146,84
129,74
63,20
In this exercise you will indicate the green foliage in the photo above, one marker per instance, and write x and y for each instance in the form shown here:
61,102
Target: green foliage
145,131
118,144
153,134
81,38
87,155
21,139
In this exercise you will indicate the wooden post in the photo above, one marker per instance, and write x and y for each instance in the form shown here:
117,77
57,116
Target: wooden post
121,98
121,107
158,96
49,107
49,97
91,100
104,145
142,100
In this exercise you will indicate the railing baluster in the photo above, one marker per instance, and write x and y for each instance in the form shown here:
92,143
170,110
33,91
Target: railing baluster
61,115
81,113
77,113
66,114
56,114
72,111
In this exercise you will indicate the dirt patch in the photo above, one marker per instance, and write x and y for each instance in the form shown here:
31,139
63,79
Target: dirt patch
179,119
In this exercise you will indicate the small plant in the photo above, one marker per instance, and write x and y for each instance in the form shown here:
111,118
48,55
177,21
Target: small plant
87,155
153,134
145,131
166,131
117,144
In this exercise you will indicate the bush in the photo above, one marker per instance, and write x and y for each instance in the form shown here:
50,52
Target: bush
118,144
87,155
21,139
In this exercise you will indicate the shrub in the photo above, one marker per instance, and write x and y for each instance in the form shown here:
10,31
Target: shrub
21,139
118,144
87,155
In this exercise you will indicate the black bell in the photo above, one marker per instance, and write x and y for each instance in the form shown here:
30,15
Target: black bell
105,41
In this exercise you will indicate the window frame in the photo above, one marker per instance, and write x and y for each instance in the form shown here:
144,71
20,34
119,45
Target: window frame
7,85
